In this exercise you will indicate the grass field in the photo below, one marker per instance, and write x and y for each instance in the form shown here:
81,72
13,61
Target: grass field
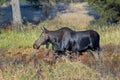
17,58
19,61
11,39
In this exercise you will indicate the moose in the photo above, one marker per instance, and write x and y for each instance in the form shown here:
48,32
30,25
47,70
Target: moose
66,39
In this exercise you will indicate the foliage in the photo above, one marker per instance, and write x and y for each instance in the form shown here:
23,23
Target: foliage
109,10
2,1
23,0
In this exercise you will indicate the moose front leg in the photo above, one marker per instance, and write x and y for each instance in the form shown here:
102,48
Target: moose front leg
47,45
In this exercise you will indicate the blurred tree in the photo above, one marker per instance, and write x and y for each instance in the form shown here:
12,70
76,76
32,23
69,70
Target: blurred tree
17,20
109,10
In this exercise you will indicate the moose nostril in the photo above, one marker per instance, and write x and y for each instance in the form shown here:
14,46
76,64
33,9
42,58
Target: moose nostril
34,46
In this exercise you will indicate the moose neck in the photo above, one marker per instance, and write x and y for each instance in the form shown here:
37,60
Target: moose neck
53,38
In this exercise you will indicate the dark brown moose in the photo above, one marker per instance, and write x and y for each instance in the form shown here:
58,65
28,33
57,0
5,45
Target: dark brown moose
66,39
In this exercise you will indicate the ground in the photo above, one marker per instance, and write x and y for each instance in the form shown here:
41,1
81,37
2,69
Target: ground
27,57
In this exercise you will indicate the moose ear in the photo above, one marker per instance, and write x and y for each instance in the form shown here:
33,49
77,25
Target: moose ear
44,29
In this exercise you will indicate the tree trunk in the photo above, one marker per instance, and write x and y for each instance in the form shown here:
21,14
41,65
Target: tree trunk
17,20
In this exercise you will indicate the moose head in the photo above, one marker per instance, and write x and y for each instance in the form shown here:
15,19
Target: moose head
42,40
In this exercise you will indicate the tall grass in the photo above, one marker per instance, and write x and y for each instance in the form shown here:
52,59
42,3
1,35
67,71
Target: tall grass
12,39
60,71
108,34
64,70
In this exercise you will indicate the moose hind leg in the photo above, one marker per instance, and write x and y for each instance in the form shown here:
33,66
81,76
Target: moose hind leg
96,55
90,53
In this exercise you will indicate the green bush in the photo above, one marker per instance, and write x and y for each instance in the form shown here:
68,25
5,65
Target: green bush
109,10
3,1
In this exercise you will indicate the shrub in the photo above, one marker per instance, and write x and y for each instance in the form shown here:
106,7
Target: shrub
109,10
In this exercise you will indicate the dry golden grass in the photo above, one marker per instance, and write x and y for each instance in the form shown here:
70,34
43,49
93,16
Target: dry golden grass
40,67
